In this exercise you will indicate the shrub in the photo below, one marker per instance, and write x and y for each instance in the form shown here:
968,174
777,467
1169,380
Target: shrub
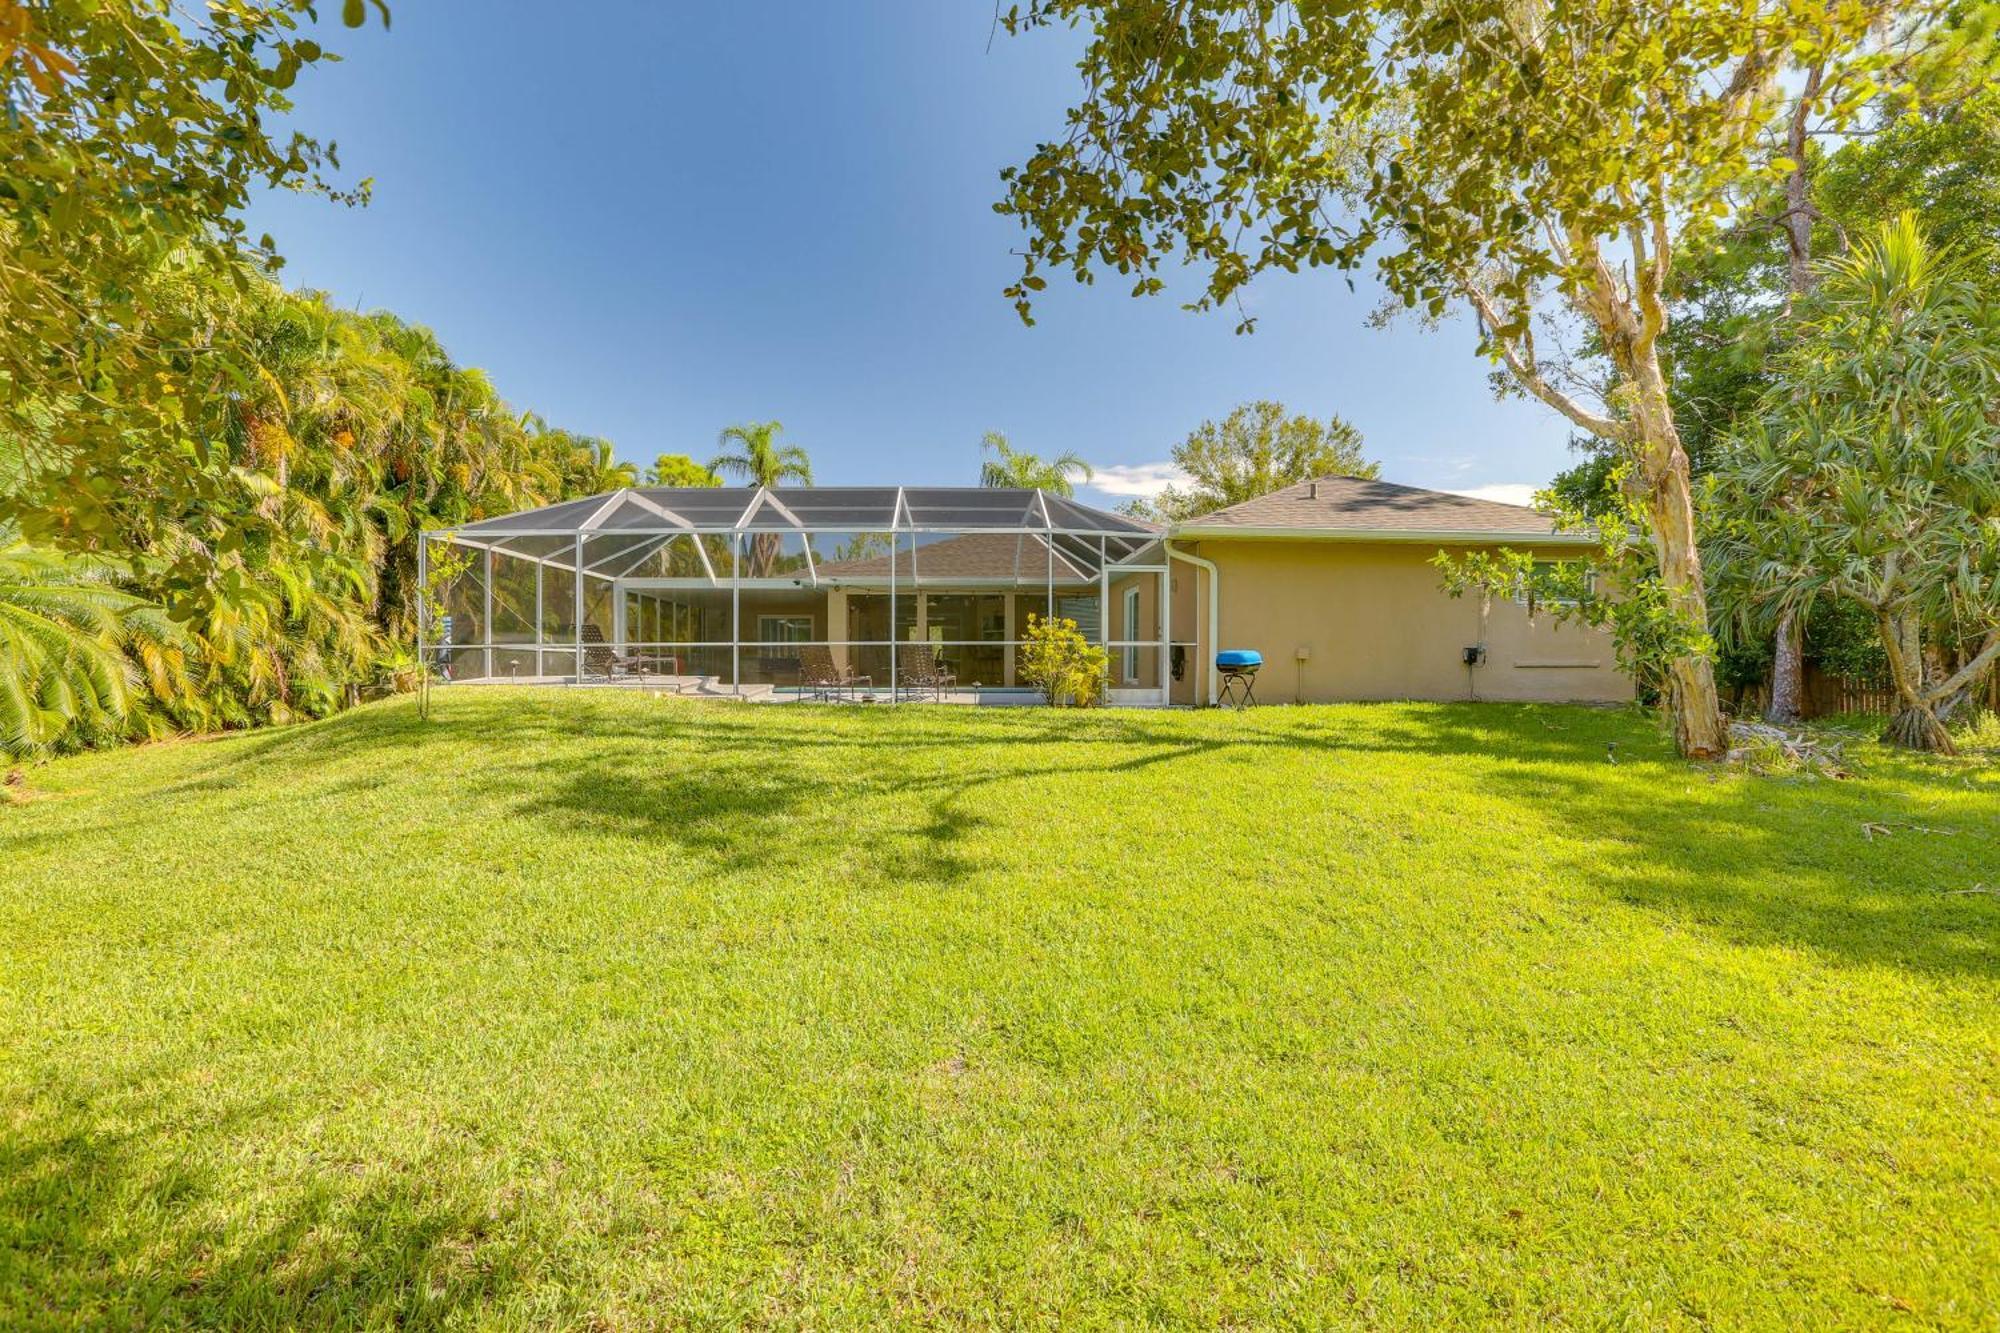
1057,660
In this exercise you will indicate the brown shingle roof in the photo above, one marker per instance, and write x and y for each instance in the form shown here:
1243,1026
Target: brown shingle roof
975,555
1356,506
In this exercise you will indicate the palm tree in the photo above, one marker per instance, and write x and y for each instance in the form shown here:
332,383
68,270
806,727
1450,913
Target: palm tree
1018,468
757,456
63,635
601,469
759,459
1868,473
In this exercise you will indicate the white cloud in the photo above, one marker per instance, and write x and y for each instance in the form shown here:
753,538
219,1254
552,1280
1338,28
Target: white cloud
1141,480
1506,492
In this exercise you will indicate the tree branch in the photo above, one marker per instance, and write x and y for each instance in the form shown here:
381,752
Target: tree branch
1521,361
1967,673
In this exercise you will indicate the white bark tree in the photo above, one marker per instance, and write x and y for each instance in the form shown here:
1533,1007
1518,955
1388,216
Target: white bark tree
1517,156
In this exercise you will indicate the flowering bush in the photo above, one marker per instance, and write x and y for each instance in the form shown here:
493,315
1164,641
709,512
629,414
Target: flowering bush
1057,660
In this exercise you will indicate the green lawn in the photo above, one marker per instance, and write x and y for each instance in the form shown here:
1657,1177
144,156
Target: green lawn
581,1010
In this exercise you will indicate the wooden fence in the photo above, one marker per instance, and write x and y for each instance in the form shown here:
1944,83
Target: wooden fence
1826,694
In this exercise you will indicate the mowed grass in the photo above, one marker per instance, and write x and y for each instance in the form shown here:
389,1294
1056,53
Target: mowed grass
573,1009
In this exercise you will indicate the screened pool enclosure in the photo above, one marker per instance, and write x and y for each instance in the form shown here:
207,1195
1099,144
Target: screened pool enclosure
887,593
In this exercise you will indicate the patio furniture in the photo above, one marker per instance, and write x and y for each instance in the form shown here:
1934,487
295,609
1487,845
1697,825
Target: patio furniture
918,668
819,673
1238,669
656,663
600,658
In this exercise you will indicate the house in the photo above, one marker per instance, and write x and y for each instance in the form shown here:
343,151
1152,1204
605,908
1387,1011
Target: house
756,592
1331,580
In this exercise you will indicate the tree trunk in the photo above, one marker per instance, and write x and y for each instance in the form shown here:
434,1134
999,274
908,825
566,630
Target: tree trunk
1787,671
1968,681
1915,726
1788,657
1798,193
1699,729
1972,689
1631,339
1918,728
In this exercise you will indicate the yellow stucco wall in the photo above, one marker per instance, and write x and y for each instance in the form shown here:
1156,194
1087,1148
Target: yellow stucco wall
1375,625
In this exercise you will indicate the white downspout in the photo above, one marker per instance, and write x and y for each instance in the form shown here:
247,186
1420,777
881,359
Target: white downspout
1214,608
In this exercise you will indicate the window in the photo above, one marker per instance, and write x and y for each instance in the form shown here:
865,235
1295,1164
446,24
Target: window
966,617
1082,608
1557,583
1131,632
784,629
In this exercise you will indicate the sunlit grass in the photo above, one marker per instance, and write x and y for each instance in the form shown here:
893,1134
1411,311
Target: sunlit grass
575,1009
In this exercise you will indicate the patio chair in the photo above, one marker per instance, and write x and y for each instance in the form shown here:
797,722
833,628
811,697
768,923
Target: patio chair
601,659
827,679
920,668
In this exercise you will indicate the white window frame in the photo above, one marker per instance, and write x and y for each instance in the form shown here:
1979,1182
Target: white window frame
1522,598
1132,605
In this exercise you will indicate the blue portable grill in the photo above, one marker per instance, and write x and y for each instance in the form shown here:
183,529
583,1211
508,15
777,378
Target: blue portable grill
1238,668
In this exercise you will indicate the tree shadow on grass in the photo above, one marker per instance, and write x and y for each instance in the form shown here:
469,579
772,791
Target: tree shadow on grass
1773,862
1861,872
110,1219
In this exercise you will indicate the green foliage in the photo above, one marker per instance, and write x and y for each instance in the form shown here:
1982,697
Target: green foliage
444,565
135,135
861,546
596,467
1730,293
1939,161
1842,637
751,453
1540,163
287,570
1060,662
1223,134
1015,467
582,1008
679,470
1872,470
64,675
1258,448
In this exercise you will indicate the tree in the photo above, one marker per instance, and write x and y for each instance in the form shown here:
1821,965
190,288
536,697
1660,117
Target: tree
1732,295
1539,162
1258,448
1019,468
1872,470
136,133
751,452
679,470
279,580
597,467
76,651
760,460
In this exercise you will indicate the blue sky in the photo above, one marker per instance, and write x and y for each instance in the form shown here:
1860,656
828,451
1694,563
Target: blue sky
647,221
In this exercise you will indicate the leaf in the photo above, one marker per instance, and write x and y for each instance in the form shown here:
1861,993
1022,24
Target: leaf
354,13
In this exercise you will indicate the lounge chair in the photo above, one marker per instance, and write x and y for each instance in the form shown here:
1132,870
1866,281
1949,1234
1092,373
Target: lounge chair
918,667
827,679
601,659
